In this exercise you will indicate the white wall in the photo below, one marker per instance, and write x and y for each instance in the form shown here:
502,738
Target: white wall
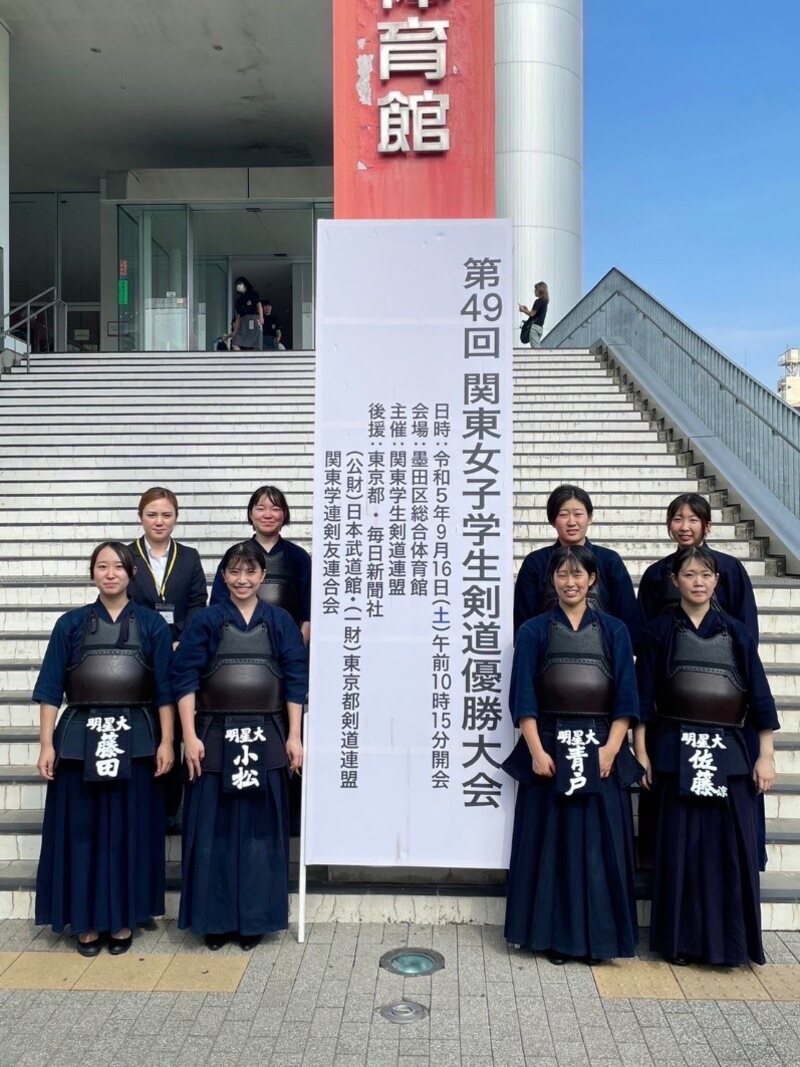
539,144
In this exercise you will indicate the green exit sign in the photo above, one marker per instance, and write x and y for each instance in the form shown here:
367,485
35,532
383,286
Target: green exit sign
122,291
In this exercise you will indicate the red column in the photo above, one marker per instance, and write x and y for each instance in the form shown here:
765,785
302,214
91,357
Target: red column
452,182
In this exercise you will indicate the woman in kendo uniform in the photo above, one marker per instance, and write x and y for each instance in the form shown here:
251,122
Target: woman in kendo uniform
240,665
700,683
573,696
688,525
101,867
569,512
287,577
287,584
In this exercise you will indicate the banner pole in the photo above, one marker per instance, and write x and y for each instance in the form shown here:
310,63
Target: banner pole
301,887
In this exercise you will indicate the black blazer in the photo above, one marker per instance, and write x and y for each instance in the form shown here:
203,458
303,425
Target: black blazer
185,589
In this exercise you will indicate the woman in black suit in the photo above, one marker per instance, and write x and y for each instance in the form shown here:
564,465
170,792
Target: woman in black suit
169,579
169,576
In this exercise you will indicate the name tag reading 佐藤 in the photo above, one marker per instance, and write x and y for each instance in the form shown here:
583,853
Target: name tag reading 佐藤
703,762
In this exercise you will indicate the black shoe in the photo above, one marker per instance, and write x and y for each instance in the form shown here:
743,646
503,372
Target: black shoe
556,958
118,945
680,961
89,948
592,961
214,942
249,941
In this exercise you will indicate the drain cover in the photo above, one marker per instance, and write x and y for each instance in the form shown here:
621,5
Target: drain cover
404,1011
412,961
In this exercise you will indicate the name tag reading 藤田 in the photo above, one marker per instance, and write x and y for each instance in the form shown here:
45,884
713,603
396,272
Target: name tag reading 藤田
108,749
577,761
703,762
244,756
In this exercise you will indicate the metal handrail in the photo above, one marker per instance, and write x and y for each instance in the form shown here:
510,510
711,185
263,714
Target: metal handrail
6,331
31,300
759,428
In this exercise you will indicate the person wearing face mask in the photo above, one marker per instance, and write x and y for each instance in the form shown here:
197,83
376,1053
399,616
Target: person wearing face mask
569,512
169,579
248,323
700,683
240,674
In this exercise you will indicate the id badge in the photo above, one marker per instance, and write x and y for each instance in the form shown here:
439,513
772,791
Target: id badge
577,759
167,612
703,762
244,755
108,748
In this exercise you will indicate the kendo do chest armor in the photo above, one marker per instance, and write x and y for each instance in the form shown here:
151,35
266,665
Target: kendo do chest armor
243,678
278,587
703,682
575,677
106,674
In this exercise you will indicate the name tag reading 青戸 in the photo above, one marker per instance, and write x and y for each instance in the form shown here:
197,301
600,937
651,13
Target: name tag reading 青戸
577,762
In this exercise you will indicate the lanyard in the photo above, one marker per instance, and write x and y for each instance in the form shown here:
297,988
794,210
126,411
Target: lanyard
170,564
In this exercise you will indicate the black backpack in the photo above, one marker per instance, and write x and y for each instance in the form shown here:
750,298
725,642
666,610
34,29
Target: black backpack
525,331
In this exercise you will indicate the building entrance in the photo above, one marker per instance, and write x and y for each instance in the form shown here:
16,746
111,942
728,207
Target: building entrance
177,265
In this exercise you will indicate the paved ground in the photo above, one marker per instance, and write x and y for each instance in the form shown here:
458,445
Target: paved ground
314,1005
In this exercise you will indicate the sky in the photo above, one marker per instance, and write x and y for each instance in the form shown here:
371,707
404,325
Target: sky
692,164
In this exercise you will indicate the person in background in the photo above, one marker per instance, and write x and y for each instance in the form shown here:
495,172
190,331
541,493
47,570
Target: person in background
272,330
101,867
248,323
241,665
169,579
538,313
700,681
569,511
573,696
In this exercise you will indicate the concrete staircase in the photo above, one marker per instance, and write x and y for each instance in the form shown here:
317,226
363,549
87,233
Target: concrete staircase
82,435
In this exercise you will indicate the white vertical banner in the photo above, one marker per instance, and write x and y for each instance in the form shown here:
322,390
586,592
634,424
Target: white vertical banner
413,546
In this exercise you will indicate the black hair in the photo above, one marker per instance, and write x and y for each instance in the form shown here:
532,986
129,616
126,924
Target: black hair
697,504
124,555
699,552
247,286
574,556
561,495
275,496
247,552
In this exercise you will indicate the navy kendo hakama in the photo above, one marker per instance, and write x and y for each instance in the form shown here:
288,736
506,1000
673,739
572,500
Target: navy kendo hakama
734,595
705,895
236,843
101,865
571,877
